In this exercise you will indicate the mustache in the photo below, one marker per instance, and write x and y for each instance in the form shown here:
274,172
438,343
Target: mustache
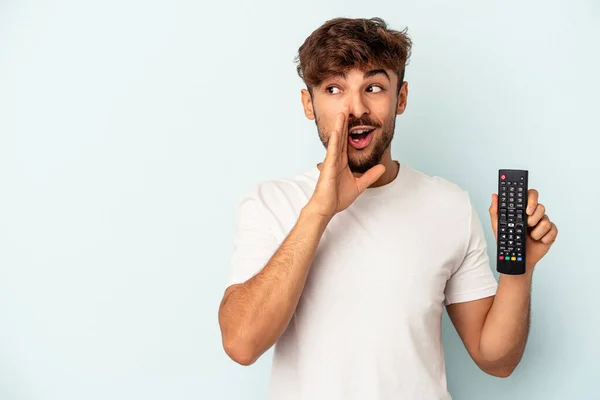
362,121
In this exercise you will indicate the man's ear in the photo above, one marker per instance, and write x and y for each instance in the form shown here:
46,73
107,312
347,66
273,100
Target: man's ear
402,98
307,104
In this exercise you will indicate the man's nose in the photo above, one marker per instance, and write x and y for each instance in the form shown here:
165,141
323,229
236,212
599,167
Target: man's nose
356,107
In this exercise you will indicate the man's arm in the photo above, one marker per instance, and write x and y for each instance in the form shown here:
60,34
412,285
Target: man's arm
506,327
495,329
253,315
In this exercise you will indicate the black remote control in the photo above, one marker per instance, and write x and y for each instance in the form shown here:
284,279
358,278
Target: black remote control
512,221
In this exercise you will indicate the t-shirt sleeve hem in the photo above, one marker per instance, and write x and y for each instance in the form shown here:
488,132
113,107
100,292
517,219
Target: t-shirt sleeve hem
238,278
472,295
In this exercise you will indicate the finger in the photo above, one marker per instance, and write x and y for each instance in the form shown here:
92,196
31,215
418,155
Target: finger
539,212
344,132
338,130
550,237
333,146
369,177
494,214
532,201
541,229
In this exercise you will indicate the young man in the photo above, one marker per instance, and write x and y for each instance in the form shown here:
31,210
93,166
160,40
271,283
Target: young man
346,266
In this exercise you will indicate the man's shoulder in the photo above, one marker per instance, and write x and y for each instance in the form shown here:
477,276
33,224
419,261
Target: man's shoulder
437,183
440,191
443,203
278,190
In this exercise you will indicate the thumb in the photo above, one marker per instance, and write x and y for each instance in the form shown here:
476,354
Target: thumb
370,177
494,214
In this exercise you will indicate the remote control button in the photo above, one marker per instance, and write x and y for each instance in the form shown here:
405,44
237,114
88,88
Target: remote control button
503,176
510,224
520,189
513,258
519,259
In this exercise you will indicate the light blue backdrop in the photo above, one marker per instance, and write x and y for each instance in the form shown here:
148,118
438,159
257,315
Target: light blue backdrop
128,129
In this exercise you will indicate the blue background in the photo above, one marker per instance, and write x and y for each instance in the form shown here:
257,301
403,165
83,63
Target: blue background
128,130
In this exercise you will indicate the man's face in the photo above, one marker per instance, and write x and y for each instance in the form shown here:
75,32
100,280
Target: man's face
373,103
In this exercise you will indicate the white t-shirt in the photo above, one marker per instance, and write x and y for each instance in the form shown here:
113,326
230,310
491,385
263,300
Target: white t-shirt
368,323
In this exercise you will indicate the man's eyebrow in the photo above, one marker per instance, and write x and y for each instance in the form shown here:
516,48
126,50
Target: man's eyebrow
374,72
366,75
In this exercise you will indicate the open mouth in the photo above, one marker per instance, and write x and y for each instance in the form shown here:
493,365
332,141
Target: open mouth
360,139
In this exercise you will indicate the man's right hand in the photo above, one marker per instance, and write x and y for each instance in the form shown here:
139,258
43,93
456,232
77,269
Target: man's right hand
337,187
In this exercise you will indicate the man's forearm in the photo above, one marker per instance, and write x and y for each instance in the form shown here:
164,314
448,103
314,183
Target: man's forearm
506,326
257,312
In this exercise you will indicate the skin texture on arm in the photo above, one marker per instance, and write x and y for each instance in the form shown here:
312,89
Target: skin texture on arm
495,329
494,333
253,315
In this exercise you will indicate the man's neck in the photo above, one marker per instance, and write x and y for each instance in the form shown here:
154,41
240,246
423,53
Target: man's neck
392,168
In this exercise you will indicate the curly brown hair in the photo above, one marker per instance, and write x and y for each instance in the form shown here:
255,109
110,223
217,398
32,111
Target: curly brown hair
341,44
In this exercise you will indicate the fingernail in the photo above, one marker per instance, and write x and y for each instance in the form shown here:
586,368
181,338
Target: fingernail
529,210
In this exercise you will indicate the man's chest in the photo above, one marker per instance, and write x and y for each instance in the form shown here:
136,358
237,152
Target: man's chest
398,262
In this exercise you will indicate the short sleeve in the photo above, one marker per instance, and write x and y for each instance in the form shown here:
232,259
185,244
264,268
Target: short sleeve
253,241
473,279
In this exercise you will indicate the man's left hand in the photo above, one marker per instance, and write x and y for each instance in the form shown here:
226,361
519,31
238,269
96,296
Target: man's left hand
540,233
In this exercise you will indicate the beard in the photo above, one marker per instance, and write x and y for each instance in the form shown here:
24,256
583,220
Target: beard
360,161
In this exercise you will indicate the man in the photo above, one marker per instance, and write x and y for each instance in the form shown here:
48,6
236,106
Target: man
346,266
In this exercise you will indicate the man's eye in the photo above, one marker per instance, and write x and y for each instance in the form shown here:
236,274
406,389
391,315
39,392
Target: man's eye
376,86
330,88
